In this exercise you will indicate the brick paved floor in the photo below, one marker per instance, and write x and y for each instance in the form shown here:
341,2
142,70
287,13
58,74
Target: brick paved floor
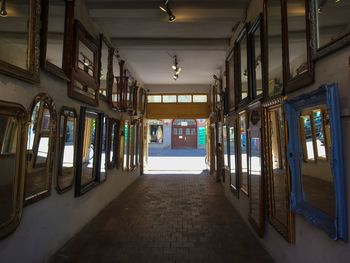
166,218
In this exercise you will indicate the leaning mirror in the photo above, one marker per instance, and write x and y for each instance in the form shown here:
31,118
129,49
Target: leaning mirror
243,151
40,147
232,137
88,149
256,176
67,149
20,30
277,169
316,161
330,26
13,120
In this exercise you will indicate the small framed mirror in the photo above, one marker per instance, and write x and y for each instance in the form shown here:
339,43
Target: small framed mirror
299,64
40,148
274,81
104,154
89,148
18,56
318,187
255,170
330,26
106,67
113,131
67,130
13,124
277,169
243,152
241,70
56,30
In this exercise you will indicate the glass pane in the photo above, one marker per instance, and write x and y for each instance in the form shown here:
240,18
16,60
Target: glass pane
175,131
184,98
244,67
86,59
104,69
103,172
257,61
232,141
275,55
112,142
14,34
333,20
320,135
200,98
225,145
55,34
243,152
125,151
9,129
45,123
43,150
307,137
33,122
154,98
169,98
188,131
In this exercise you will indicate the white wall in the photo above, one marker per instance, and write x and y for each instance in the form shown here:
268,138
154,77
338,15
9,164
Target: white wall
312,244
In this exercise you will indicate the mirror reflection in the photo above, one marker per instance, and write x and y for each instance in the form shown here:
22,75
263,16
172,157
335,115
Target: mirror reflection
232,145
244,67
67,135
86,59
14,37
126,146
274,38
333,21
243,152
104,68
103,171
55,32
225,146
257,61
317,177
116,96
112,142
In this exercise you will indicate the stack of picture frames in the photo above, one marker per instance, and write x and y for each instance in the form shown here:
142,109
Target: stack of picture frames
267,132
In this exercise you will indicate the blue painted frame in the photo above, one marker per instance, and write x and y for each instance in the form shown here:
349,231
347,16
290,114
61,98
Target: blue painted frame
328,95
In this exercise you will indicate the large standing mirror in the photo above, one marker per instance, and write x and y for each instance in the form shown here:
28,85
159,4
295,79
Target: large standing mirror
13,120
316,160
241,68
330,26
40,148
88,150
274,82
106,67
57,29
20,31
243,151
256,175
232,137
67,149
277,170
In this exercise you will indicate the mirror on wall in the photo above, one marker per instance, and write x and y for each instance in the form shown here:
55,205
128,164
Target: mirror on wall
88,150
243,151
132,146
118,81
104,154
19,32
280,216
113,131
230,81
13,120
126,142
232,137
330,26
318,189
225,145
67,149
40,147
106,67
242,70
273,46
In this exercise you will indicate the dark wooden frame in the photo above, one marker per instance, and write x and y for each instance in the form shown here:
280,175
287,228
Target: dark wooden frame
233,123
61,145
67,40
259,226
17,111
142,100
112,126
286,230
230,89
306,78
109,77
46,100
32,73
79,75
79,189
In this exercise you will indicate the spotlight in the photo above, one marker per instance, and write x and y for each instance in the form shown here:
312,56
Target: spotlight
165,8
3,12
172,18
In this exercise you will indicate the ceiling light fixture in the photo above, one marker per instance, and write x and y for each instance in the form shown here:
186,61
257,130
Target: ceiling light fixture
3,12
165,8
176,68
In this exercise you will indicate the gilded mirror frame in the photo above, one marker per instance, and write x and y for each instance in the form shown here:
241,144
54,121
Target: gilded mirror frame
67,39
17,111
65,112
32,73
46,102
335,226
286,229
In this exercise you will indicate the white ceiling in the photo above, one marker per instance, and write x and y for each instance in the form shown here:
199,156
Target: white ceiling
199,36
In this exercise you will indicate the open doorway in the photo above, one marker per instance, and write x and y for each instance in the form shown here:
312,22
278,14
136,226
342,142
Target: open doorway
176,145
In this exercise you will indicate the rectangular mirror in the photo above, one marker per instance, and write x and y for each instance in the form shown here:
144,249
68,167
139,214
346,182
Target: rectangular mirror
280,216
330,26
225,146
104,150
243,151
230,80
113,131
40,147
19,33
318,188
234,178
13,120
274,82
126,141
67,149
106,67
241,69
255,171
88,150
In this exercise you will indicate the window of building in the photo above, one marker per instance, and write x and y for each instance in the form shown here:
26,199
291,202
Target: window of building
184,98
154,98
169,98
200,98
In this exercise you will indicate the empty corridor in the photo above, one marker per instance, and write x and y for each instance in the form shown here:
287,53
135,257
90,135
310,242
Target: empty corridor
166,218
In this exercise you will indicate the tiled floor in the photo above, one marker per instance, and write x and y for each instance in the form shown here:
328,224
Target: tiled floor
166,218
